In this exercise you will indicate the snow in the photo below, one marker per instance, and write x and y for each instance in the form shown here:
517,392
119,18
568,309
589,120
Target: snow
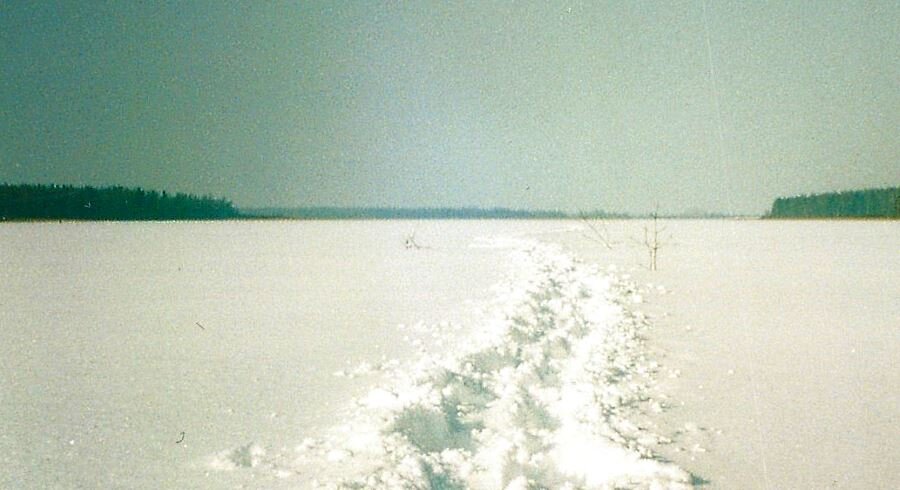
758,329
512,354
539,395
99,342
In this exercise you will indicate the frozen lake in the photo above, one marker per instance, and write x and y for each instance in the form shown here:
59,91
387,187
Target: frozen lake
119,339
784,340
104,364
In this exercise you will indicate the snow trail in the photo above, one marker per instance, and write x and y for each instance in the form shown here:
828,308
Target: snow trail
539,396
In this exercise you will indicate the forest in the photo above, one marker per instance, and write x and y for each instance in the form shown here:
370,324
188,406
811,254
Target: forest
65,202
868,203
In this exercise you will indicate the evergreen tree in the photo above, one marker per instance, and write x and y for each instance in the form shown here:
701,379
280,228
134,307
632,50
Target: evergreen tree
868,203
24,202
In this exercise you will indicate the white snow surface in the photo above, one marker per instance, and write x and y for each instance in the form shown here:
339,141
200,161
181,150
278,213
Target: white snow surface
761,354
538,396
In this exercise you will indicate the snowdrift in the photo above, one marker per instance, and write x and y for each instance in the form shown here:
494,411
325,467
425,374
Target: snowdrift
547,393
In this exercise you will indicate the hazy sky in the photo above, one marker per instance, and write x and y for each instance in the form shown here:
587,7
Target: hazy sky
571,105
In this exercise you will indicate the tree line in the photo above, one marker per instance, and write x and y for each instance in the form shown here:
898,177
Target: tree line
35,202
868,203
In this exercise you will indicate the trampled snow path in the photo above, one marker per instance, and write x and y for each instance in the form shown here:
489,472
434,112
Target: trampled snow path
541,396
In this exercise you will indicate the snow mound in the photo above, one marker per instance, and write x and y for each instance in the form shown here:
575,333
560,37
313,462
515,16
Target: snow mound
539,397
249,456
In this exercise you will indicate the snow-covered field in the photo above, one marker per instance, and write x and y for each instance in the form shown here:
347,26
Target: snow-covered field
514,354
781,344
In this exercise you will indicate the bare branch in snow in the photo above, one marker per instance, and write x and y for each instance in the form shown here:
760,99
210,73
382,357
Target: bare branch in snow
598,234
651,238
410,243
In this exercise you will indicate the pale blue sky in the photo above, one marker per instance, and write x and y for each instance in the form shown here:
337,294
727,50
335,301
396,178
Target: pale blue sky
569,105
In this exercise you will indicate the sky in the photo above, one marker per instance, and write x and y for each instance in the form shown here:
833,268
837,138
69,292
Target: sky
621,106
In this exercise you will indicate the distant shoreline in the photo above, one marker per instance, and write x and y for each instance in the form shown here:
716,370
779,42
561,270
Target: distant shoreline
404,218
566,217
55,203
336,213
